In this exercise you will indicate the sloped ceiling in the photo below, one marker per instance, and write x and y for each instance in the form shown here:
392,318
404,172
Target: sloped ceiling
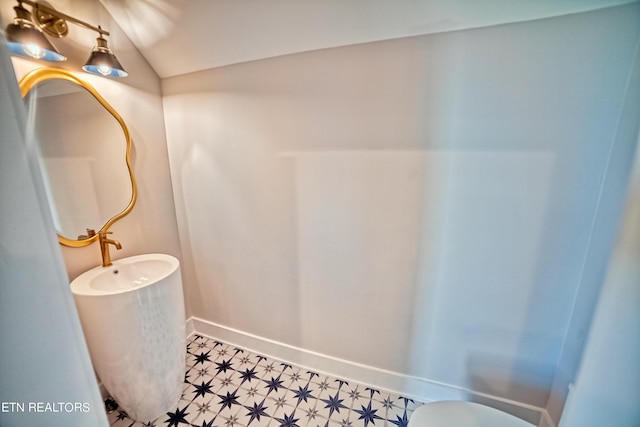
183,36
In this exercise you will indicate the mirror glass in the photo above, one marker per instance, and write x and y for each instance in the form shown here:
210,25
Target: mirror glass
84,150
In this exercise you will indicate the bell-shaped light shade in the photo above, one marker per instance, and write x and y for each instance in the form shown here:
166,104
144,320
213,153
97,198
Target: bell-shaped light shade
25,39
103,62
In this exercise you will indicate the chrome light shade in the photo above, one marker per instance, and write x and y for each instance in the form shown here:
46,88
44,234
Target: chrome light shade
103,62
25,39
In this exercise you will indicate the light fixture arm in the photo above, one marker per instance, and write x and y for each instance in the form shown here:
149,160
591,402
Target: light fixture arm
55,15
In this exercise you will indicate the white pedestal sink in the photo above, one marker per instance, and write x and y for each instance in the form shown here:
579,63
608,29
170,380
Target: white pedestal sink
133,319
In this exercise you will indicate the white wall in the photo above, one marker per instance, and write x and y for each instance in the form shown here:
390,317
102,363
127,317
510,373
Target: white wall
43,357
426,203
607,388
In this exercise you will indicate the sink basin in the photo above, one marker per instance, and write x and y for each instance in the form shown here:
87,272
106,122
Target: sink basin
133,319
125,275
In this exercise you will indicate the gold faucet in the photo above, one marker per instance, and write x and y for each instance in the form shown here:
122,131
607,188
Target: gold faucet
104,247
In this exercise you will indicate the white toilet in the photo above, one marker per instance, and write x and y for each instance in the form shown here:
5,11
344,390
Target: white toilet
462,414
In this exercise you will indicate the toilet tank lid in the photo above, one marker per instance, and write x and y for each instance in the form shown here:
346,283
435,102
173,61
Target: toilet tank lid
462,414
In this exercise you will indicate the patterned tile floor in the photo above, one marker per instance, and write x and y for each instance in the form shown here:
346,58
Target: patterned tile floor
226,386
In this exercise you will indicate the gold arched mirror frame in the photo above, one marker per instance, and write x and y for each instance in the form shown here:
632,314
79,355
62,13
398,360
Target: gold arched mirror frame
30,81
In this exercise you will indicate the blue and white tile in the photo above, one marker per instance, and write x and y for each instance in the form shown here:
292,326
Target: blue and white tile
226,386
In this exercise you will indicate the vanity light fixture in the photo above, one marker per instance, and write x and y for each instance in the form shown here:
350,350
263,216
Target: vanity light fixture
26,37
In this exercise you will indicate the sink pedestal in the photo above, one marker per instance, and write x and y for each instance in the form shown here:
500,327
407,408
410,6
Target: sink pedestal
133,318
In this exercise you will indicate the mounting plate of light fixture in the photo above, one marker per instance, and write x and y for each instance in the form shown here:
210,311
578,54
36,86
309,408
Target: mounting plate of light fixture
26,37
50,23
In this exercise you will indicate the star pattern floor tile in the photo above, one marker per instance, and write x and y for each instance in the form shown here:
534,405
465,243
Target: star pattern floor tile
226,386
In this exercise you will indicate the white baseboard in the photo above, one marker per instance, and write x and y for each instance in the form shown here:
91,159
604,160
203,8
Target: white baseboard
420,389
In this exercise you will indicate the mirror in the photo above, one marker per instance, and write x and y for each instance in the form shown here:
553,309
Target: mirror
84,150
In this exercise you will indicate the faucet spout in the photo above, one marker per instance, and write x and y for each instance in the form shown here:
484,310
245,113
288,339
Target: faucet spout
104,247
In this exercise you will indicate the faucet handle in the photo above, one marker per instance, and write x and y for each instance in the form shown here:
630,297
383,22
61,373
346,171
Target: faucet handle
90,234
104,233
